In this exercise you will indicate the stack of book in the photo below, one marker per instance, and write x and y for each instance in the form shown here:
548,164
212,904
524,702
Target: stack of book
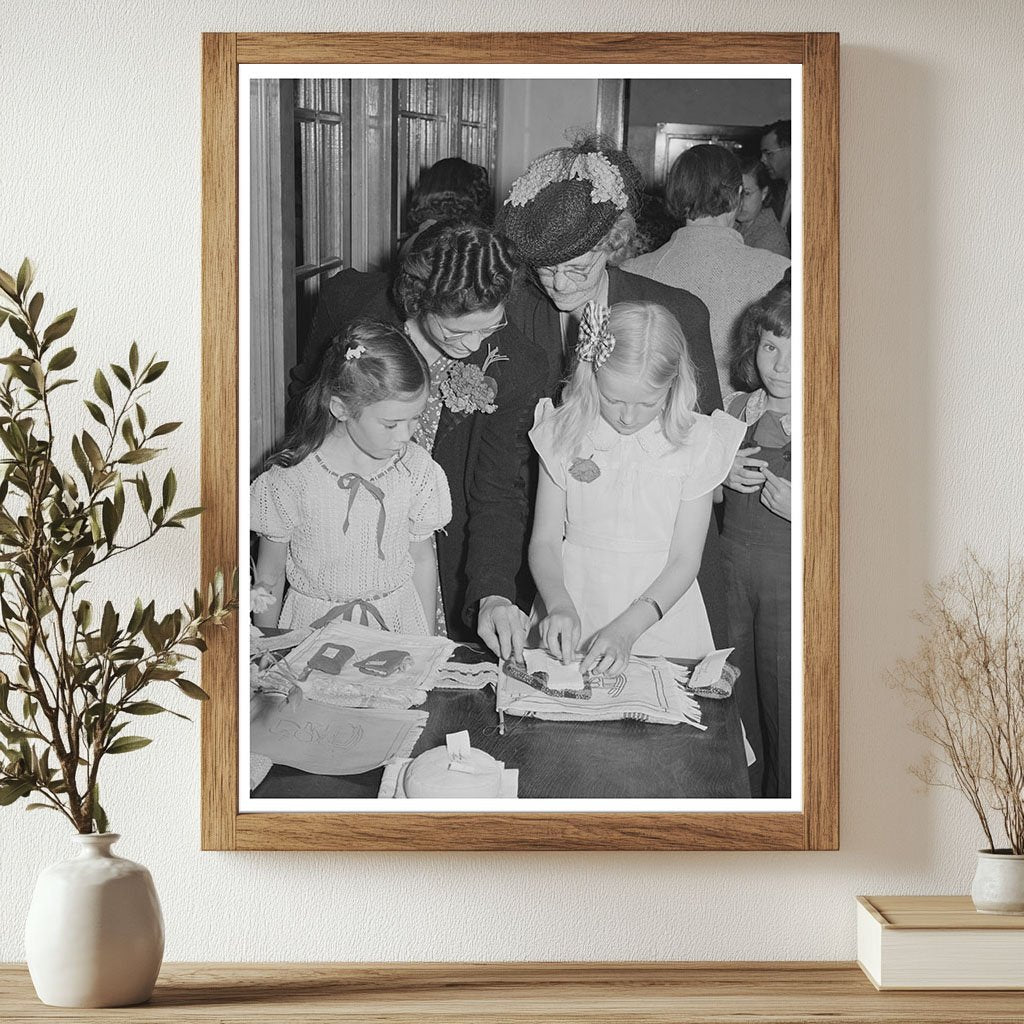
938,942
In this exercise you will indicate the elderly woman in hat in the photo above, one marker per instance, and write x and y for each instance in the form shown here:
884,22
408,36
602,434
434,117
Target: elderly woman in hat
572,216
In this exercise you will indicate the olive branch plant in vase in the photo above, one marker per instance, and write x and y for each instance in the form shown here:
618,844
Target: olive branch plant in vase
966,681
75,671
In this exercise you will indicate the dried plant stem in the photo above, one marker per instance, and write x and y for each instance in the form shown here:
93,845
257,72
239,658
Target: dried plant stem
967,680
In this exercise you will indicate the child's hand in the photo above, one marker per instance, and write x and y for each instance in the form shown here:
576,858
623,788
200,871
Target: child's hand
777,495
609,651
560,634
747,474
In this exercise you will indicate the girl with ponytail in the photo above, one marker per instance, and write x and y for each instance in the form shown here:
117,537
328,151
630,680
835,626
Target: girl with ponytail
347,510
629,469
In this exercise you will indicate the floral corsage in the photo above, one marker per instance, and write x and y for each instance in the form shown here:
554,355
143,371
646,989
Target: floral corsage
467,388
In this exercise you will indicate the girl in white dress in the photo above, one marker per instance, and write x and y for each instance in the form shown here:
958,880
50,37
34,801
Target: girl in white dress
347,511
625,493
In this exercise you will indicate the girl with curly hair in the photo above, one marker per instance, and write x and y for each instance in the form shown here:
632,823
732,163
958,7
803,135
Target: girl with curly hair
756,537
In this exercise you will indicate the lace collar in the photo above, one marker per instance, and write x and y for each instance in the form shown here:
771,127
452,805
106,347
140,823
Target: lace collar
603,437
757,406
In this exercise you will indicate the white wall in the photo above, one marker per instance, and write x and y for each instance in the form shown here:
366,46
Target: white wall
100,178
535,115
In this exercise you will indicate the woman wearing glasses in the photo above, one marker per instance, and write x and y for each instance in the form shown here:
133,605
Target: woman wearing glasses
572,217
449,297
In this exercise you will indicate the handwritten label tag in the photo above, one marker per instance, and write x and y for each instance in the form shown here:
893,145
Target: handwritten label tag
458,752
709,670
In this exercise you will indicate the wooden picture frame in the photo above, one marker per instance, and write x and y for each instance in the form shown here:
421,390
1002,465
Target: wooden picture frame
816,826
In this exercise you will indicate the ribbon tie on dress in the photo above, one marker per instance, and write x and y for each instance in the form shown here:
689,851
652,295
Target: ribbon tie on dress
351,482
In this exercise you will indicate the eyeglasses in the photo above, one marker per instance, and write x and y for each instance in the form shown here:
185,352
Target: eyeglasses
575,273
482,332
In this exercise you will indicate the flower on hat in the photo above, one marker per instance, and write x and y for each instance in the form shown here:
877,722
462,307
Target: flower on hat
605,179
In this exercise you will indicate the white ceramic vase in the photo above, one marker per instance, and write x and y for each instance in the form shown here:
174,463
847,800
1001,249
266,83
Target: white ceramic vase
999,883
95,933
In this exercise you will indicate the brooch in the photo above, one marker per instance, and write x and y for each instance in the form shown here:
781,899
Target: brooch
584,470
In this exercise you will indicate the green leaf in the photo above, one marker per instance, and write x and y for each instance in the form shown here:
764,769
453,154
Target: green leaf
95,412
99,816
170,487
14,790
41,807
154,372
26,274
102,388
60,326
92,449
132,458
165,428
128,433
80,459
63,359
20,328
191,690
145,497
133,358
185,513
108,627
143,707
110,521
119,498
121,374
34,308
125,744
4,314
7,283
140,415
130,653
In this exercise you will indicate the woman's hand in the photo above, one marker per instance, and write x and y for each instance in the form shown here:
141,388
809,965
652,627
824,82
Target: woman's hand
747,474
502,626
560,634
609,651
777,495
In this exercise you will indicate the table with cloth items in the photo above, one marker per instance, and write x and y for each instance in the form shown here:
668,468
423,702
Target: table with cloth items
345,711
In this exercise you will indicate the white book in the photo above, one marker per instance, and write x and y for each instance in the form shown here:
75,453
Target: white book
938,942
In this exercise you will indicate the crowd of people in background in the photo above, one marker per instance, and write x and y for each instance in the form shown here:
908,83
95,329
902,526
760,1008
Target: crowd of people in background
559,426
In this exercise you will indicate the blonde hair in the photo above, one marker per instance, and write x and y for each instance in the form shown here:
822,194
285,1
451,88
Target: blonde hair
649,348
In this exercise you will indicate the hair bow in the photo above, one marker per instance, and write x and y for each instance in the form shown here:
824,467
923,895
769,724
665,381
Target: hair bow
354,352
596,339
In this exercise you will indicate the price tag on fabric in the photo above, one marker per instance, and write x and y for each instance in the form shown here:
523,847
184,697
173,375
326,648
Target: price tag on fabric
458,752
708,671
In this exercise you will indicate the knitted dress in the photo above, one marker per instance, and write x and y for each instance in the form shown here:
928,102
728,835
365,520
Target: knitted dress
348,536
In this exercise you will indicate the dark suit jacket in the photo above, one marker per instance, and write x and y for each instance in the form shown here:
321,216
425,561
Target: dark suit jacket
484,455
530,310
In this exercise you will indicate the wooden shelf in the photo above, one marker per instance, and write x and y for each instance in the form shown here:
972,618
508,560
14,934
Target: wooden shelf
783,993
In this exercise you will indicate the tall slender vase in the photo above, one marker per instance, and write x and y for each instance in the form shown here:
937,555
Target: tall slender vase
95,933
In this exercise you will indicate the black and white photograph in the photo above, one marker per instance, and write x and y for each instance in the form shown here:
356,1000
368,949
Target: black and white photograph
520,388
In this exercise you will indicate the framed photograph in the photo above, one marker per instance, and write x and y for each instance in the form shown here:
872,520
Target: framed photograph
341,715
